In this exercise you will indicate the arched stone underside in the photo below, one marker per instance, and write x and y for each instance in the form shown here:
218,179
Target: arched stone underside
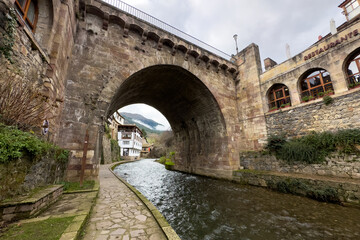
115,64
191,109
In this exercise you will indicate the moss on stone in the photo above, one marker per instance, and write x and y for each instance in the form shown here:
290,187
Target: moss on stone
50,229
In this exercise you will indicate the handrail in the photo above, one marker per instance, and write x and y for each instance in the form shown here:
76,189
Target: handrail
164,26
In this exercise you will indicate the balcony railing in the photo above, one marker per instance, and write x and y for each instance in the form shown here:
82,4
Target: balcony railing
166,27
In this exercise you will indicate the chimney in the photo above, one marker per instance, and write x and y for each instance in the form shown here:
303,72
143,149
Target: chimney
333,27
288,54
269,63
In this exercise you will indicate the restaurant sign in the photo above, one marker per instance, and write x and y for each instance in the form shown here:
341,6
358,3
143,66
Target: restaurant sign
331,45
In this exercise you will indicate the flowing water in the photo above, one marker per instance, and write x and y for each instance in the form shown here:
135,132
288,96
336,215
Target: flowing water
203,208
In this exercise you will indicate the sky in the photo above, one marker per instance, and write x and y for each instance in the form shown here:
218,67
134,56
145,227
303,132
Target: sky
271,24
148,112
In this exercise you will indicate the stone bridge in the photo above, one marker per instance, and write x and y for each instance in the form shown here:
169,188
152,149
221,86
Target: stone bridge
118,60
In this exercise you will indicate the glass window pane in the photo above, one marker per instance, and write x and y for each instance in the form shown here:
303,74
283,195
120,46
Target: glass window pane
349,8
287,93
279,94
355,4
326,79
314,81
304,85
22,3
313,74
271,96
352,69
287,100
31,12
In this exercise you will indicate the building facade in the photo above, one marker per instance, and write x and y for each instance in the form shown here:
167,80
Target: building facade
130,141
293,92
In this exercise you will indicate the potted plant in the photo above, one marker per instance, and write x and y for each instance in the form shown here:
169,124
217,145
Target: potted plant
354,85
305,99
329,92
284,105
273,109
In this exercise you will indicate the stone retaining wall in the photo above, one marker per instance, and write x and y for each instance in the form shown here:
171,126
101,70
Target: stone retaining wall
26,208
343,113
336,166
329,190
20,176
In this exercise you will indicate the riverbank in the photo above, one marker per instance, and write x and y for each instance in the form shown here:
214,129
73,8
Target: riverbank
205,208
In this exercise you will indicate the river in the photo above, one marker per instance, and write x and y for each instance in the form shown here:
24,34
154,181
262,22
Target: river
204,208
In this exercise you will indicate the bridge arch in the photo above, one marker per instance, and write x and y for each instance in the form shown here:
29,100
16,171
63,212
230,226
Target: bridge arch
113,66
191,109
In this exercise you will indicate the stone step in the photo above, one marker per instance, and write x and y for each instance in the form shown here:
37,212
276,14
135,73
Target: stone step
30,206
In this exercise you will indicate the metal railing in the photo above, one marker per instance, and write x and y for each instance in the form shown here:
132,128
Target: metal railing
164,26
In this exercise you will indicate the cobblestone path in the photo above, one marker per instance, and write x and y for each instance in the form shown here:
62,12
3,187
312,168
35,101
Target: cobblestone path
119,214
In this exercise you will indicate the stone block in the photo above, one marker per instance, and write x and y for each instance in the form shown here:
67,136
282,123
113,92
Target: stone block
26,208
9,210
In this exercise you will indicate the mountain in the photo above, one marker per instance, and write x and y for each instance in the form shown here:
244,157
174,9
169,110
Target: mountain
142,122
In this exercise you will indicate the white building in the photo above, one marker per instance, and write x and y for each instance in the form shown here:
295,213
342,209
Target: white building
115,120
130,140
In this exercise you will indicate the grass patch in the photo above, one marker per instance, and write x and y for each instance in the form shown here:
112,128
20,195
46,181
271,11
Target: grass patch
50,229
75,186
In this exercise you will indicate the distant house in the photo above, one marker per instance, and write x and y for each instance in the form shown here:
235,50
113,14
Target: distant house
115,120
130,141
146,148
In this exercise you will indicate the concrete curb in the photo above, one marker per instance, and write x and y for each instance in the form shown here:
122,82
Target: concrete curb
160,219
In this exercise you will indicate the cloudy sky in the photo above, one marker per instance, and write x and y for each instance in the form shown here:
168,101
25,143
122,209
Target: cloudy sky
271,24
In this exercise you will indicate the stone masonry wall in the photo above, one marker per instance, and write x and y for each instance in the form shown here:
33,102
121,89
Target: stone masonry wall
345,166
41,57
20,176
343,113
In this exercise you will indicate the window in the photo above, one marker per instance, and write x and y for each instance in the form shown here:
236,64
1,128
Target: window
315,84
279,96
353,72
28,11
352,9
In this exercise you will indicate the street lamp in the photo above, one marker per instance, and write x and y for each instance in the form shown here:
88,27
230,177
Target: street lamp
235,38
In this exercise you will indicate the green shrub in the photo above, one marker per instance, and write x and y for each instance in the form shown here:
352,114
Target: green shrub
15,144
345,140
275,142
321,94
314,147
298,151
162,160
169,163
328,100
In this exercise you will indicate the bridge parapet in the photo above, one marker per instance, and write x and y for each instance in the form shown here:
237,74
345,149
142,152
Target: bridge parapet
149,32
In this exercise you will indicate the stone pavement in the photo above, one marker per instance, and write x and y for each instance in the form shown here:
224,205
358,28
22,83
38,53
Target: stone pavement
119,214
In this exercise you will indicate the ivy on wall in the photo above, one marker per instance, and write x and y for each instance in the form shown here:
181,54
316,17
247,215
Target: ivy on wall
7,41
